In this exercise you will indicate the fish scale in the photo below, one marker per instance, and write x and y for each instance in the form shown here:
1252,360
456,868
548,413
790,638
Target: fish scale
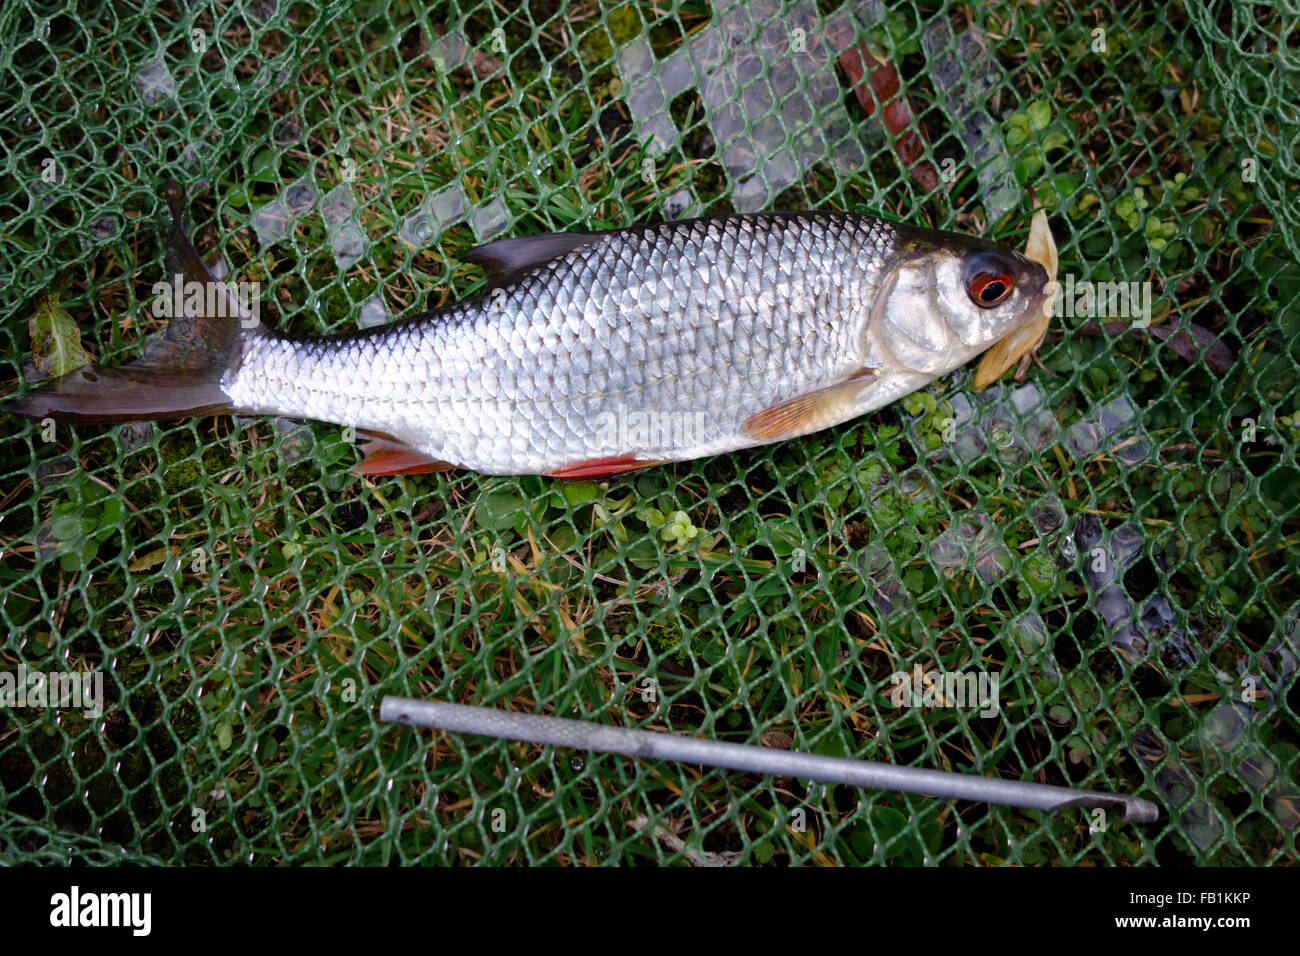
594,353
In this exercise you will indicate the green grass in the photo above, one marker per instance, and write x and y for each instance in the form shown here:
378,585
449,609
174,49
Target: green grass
250,600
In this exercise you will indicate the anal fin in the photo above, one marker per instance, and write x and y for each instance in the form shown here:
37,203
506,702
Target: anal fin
385,455
810,412
603,467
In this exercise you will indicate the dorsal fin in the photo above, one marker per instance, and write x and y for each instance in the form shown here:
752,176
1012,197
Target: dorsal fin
506,260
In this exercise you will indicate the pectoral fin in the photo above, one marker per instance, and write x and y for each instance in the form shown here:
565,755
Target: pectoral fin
812,411
386,455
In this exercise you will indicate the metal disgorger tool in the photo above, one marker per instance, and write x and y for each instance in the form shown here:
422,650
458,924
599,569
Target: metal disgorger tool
584,735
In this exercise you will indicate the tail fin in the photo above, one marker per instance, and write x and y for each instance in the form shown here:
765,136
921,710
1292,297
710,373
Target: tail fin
179,374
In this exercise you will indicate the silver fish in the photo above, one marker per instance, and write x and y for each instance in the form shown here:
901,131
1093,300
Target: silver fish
594,353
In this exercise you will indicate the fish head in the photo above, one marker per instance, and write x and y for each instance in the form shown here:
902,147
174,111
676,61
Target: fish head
950,297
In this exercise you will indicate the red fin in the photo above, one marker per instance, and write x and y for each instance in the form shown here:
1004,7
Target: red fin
387,456
810,412
602,467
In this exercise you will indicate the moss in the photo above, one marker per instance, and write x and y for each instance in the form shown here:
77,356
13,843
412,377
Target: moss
594,47
181,475
217,458
143,493
597,46
665,640
625,24
341,300
175,445
180,471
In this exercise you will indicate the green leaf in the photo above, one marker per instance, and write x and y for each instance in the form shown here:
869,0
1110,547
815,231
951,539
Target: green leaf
1040,113
888,822
66,528
931,830
832,745
111,513
580,492
562,537
1017,130
784,536
1281,488
496,510
643,553
56,340
1039,572
1055,140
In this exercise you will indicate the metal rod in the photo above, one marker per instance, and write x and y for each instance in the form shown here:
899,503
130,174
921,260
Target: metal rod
585,735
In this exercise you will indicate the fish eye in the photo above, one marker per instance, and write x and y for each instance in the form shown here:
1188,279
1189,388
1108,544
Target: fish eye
988,280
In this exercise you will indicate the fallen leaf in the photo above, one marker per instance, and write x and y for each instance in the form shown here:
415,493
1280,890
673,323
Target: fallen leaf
56,340
149,560
876,81
1187,339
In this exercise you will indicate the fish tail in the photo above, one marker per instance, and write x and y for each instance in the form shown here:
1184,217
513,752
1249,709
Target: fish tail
179,375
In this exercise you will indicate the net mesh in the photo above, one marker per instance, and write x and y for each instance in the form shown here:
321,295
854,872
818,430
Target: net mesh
1114,537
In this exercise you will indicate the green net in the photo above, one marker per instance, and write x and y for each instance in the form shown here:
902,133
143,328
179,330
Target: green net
1113,536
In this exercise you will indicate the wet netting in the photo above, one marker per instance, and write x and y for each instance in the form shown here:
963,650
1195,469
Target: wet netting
1112,536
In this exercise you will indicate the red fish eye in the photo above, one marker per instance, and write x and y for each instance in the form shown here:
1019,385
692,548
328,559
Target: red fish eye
988,289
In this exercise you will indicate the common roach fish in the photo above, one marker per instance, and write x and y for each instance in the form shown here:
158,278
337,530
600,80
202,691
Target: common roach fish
595,353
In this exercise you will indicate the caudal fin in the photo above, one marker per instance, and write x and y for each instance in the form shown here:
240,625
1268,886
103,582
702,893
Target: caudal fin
179,374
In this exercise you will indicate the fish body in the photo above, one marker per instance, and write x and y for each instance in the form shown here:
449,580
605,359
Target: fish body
599,352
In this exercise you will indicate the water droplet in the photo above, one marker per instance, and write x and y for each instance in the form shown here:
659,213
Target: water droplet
104,228
154,82
373,312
